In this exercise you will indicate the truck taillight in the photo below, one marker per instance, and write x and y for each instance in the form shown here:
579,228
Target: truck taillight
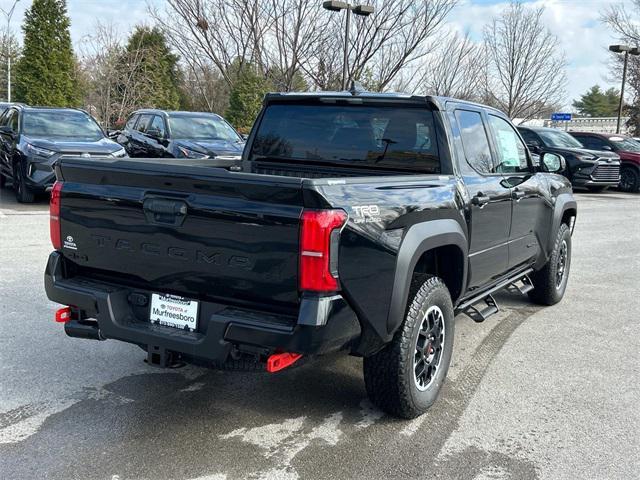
54,216
319,239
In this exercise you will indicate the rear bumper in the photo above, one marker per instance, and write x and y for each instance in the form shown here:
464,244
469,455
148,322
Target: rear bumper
323,324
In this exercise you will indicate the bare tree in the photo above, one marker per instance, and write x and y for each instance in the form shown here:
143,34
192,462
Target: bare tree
456,69
397,35
230,34
115,76
624,20
526,68
289,39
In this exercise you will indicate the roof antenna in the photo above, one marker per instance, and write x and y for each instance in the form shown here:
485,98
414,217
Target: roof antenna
356,88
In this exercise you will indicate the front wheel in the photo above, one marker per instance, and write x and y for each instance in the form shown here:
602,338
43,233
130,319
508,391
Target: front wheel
21,190
405,377
550,282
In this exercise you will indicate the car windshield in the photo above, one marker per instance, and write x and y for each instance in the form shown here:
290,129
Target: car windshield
61,124
375,136
558,138
625,144
205,127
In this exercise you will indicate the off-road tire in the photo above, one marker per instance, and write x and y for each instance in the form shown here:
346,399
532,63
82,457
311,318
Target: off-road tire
630,180
389,375
22,192
547,290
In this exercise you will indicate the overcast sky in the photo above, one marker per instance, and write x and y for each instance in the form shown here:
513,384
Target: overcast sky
576,22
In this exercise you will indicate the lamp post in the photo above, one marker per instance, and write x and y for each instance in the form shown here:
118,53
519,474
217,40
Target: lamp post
627,51
363,10
9,14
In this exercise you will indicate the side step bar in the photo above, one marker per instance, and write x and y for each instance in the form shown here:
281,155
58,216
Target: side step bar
520,283
478,314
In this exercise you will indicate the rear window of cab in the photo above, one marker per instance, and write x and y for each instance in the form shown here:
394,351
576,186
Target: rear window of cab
390,137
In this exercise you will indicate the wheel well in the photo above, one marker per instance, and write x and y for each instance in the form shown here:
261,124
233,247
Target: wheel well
567,216
445,262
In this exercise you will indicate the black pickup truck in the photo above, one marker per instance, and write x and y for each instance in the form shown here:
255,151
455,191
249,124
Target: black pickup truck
355,221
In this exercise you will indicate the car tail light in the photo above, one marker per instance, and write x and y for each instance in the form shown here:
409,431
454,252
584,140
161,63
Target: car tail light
319,241
54,216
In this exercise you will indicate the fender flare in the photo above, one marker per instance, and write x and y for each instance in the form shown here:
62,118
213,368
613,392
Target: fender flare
564,202
419,239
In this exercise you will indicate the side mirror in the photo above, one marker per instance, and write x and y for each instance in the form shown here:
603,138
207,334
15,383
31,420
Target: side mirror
552,162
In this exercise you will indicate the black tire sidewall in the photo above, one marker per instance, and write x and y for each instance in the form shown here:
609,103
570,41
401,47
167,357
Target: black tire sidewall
438,296
636,179
558,293
22,192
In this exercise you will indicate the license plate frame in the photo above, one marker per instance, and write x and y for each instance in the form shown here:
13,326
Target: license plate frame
174,311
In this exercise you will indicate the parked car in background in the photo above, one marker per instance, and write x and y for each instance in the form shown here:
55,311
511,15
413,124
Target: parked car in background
595,170
198,135
625,147
33,138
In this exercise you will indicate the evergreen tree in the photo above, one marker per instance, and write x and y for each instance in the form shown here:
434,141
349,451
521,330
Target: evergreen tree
156,67
246,97
596,103
46,72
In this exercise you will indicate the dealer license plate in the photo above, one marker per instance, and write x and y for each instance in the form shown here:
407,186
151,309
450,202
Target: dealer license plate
174,311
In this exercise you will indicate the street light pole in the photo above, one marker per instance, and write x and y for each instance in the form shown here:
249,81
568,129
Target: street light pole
345,59
363,10
626,50
9,14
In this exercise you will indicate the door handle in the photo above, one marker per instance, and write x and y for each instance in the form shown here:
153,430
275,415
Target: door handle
480,200
517,195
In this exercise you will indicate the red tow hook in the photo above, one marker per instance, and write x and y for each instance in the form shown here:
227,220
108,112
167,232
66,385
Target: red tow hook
280,361
63,315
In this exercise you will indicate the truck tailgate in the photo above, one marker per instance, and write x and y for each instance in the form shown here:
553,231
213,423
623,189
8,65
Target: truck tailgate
183,228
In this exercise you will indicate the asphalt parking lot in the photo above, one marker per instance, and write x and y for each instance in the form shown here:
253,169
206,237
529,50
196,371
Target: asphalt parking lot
532,393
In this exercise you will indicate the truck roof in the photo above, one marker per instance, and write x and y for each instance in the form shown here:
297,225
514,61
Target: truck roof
439,102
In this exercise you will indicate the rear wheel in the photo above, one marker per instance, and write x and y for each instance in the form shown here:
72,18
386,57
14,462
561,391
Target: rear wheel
21,190
550,282
405,377
629,179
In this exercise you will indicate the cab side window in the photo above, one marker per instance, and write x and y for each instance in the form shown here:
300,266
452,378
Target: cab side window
474,141
512,153
157,127
11,120
131,122
144,123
